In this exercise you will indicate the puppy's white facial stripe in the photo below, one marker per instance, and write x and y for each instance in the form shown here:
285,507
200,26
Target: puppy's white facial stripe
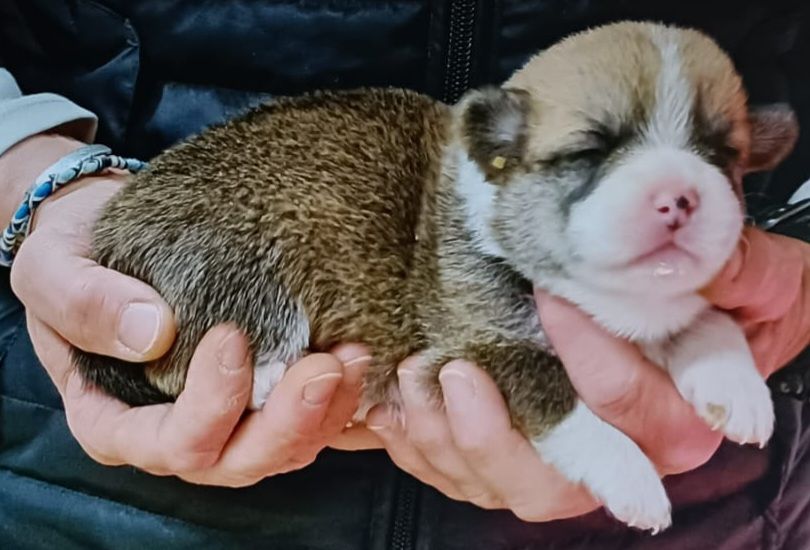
478,197
670,123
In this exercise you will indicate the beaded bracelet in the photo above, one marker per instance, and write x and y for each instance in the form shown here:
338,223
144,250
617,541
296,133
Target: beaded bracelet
91,159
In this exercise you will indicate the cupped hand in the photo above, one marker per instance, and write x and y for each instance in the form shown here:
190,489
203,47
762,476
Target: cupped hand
470,451
203,436
766,288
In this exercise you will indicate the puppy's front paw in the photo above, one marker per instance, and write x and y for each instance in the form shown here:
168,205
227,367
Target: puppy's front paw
611,466
730,395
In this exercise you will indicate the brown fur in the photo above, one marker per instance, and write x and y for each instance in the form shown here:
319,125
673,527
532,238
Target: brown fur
341,208
317,200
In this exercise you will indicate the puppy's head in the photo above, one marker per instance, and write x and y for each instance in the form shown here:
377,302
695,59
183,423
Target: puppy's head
616,157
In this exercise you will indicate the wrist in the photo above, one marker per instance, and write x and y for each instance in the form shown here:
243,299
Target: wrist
89,160
97,189
21,165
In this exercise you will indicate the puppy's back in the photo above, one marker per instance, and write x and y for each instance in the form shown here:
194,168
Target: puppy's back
301,211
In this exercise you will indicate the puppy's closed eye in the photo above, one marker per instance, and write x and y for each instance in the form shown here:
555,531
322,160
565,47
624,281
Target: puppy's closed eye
592,147
594,144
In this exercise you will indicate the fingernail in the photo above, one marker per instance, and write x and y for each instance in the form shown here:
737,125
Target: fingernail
139,326
457,387
360,363
378,419
320,389
232,353
355,370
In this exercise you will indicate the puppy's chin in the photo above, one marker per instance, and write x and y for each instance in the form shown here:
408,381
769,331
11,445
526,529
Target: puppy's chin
666,272
631,236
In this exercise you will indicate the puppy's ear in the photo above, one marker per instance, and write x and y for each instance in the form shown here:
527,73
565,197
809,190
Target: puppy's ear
493,128
774,131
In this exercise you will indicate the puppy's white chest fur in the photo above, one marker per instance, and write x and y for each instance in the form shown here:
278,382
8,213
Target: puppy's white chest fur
638,318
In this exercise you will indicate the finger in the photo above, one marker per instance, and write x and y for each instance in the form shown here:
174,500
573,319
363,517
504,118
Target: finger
427,430
391,432
286,434
356,438
54,354
51,350
356,361
215,395
184,436
501,457
762,280
626,390
96,309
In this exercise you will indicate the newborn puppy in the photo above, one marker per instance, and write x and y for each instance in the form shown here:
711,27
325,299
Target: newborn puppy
606,170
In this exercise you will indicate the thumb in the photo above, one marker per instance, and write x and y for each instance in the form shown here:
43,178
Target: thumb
763,278
95,309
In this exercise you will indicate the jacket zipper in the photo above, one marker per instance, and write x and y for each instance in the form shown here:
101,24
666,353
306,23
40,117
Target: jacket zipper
457,76
403,533
461,31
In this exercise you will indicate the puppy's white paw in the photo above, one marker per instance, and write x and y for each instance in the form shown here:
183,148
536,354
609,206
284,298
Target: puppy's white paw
730,395
714,370
610,465
266,374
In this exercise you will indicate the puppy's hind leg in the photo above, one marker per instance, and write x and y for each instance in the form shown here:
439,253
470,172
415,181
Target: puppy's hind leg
567,435
590,451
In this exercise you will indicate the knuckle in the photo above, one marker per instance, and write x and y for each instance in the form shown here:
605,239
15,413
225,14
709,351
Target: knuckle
483,499
25,267
239,481
81,299
83,309
19,276
301,460
189,461
26,263
81,437
415,468
449,490
620,397
685,454
231,480
529,509
427,440
527,512
476,450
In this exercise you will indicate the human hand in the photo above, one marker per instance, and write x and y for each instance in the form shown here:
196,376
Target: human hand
204,437
470,451
70,300
766,288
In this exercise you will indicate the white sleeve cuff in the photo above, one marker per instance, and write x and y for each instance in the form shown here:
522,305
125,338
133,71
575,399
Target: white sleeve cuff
24,116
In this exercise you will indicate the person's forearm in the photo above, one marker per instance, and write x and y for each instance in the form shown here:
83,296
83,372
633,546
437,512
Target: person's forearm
21,164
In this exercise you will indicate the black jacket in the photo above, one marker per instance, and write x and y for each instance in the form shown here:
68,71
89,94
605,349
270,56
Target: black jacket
156,71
